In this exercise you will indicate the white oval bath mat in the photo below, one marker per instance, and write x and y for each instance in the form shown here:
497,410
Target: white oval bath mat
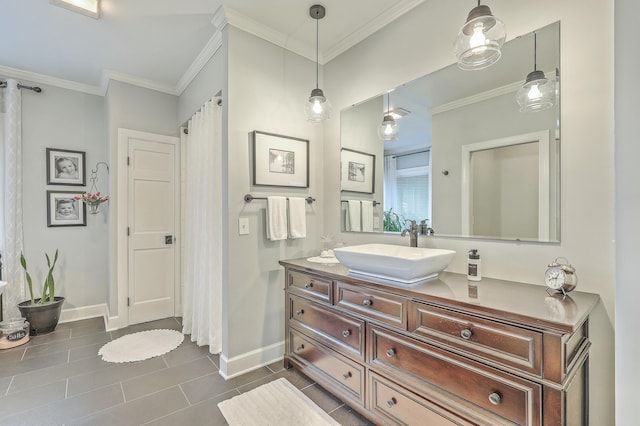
141,345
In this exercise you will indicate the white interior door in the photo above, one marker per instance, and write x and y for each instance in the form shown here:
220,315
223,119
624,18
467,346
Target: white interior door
152,195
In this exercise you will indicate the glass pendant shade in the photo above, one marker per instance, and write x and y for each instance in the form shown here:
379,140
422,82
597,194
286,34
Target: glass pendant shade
317,108
388,130
480,40
538,93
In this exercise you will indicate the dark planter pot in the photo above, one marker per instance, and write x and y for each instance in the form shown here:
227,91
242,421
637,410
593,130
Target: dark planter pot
42,318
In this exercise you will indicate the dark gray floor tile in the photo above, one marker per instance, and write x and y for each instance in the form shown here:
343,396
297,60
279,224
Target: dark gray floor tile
23,401
55,336
140,411
4,384
186,352
19,367
89,351
346,416
56,373
166,378
276,366
65,345
12,355
216,359
61,412
114,373
203,413
213,385
322,398
168,323
85,327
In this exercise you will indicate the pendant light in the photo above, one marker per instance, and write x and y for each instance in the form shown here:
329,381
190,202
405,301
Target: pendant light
317,108
480,39
538,92
388,130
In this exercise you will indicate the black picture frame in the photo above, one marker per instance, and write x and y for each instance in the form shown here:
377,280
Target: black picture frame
280,160
64,210
63,158
357,171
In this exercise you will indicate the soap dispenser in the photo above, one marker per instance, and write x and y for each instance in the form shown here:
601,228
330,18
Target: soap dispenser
473,266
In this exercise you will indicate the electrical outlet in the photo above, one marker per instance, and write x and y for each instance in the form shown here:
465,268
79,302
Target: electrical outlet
243,226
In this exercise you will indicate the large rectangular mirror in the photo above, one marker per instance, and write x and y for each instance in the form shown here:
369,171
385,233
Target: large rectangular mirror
467,158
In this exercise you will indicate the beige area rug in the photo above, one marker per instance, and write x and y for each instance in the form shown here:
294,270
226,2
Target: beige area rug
140,346
277,403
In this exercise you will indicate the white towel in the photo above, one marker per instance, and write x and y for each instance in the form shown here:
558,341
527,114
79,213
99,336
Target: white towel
276,218
367,216
297,219
352,222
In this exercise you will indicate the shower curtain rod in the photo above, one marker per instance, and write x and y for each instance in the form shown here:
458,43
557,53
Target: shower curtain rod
22,86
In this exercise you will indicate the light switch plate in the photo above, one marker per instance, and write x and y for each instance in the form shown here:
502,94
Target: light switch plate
243,226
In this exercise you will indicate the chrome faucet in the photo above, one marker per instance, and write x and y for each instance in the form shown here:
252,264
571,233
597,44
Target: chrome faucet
413,233
425,229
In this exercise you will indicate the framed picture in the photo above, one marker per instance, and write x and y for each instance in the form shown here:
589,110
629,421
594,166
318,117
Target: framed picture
280,160
357,171
65,167
64,210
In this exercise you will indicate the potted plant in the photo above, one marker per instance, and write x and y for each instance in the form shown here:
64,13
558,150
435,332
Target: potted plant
42,313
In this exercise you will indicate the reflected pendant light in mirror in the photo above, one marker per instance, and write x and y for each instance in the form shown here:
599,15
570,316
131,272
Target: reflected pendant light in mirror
317,108
538,92
480,39
388,130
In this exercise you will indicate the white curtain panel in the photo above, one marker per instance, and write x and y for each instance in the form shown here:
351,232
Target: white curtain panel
202,229
11,237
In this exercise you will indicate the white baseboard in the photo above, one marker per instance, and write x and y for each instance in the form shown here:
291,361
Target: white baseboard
84,312
238,365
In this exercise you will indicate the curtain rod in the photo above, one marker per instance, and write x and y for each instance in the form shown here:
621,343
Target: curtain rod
410,153
22,86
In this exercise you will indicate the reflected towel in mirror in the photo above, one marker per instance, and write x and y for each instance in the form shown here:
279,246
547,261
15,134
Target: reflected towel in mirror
367,215
352,222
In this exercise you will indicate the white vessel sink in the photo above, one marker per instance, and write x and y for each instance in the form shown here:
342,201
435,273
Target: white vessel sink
397,263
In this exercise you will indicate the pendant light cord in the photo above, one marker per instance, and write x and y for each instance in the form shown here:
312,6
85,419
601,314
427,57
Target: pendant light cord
535,51
317,46
388,104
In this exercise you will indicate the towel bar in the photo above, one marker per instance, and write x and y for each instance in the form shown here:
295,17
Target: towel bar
249,198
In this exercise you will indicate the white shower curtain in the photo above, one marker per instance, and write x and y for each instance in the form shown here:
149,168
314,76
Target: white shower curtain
202,229
11,238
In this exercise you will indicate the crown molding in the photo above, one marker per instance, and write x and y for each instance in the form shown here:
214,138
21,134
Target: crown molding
50,81
483,96
137,81
201,60
374,25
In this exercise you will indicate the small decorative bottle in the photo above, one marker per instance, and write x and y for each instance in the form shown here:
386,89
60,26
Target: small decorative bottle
473,266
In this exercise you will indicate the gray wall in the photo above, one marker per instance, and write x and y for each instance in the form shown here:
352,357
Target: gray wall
66,119
267,89
627,212
587,148
135,108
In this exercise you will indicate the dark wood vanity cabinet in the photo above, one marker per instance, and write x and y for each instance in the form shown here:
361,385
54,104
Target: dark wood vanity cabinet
442,352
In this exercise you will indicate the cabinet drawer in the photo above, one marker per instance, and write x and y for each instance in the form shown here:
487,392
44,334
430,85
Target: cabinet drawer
398,405
347,374
505,398
510,345
310,286
339,331
385,307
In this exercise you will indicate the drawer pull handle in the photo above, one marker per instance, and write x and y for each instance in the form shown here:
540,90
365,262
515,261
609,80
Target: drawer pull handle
346,375
466,334
390,352
495,398
299,348
308,285
300,312
391,402
346,333
367,302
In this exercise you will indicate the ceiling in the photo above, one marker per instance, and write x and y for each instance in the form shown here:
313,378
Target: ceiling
157,43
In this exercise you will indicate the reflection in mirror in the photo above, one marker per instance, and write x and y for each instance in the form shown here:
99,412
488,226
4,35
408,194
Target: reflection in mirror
466,158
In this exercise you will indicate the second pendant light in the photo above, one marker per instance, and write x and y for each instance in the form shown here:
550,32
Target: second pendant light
388,130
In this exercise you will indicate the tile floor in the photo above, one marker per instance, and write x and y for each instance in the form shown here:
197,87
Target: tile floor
58,379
